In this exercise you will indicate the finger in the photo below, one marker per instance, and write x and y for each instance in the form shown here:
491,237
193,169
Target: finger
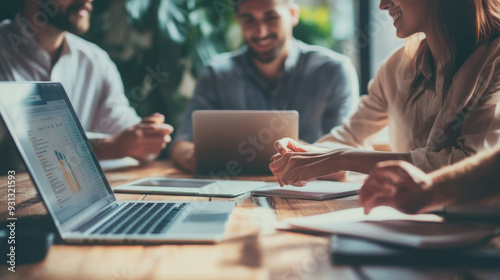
295,146
392,175
161,129
282,184
153,140
300,184
367,190
167,139
278,164
378,201
281,145
275,158
156,118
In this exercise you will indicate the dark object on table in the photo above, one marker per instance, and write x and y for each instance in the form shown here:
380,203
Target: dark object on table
351,250
31,238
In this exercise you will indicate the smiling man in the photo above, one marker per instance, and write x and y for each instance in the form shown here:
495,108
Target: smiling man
273,71
39,46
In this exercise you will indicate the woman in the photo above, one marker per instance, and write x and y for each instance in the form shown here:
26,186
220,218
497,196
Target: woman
438,98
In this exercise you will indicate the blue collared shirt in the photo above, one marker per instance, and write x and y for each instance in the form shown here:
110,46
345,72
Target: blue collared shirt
319,83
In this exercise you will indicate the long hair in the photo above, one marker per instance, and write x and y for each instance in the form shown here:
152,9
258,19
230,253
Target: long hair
464,25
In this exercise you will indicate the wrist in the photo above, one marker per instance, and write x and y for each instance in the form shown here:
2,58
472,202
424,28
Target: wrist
435,192
346,159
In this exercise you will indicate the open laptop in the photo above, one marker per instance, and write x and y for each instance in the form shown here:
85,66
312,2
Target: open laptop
60,160
239,142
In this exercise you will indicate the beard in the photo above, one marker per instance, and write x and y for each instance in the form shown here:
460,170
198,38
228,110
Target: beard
62,19
267,56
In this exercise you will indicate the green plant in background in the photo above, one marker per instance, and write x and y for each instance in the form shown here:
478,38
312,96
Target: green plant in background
155,42
315,26
185,33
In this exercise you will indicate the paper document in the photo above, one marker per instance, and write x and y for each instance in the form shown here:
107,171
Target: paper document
315,190
113,164
385,224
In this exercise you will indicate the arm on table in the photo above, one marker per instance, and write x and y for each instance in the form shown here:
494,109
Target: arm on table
408,189
183,155
143,141
296,164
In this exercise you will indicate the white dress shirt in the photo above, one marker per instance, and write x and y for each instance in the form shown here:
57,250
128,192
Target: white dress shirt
435,133
87,73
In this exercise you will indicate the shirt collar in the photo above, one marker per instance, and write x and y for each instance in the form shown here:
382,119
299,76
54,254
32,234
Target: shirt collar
30,46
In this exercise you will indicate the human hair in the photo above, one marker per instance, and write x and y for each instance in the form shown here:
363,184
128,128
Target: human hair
464,25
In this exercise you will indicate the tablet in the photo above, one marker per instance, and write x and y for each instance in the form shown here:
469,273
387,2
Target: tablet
187,186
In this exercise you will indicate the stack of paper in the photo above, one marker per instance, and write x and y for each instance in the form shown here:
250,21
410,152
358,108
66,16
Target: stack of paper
316,190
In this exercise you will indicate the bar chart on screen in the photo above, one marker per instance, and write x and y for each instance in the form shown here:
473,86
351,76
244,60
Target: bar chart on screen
59,161
68,172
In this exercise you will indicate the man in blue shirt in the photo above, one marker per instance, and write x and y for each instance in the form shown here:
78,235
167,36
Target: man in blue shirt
274,71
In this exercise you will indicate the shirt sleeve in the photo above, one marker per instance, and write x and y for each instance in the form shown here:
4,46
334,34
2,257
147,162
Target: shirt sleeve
204,98
479,129
114,113
344,96
371,117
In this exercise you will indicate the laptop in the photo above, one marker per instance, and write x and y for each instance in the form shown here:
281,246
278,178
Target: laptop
71,183
231,143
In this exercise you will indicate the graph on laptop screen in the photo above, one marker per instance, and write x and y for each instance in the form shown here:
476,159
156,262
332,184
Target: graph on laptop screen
56,151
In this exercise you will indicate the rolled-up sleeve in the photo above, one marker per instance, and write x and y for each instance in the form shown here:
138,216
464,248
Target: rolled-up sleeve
112,113
479,128
371,117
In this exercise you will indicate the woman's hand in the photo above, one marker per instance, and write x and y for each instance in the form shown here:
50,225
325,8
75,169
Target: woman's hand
289,145
397,184
296,164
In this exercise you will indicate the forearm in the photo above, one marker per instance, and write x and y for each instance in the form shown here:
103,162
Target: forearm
181,151
472,179
363,161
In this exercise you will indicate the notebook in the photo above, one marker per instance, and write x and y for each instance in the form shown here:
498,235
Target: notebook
71,183
315,190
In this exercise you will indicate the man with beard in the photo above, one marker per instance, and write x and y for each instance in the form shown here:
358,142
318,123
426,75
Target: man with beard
39,46
273,71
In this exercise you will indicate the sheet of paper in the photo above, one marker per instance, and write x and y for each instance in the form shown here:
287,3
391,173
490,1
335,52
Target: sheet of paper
113,164
323,222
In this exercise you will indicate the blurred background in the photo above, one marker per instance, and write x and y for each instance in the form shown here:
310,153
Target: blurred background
160,46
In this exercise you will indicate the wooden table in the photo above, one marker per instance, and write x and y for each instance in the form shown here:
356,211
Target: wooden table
252,249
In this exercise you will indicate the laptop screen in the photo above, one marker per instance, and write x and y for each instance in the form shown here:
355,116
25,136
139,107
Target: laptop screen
53,144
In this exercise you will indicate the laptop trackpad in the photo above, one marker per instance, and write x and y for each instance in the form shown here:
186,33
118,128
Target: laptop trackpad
205,217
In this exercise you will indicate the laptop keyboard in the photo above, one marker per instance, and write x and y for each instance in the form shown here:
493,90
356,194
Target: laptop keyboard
141,218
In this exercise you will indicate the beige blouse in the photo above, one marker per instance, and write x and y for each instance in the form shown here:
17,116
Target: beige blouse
434,133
